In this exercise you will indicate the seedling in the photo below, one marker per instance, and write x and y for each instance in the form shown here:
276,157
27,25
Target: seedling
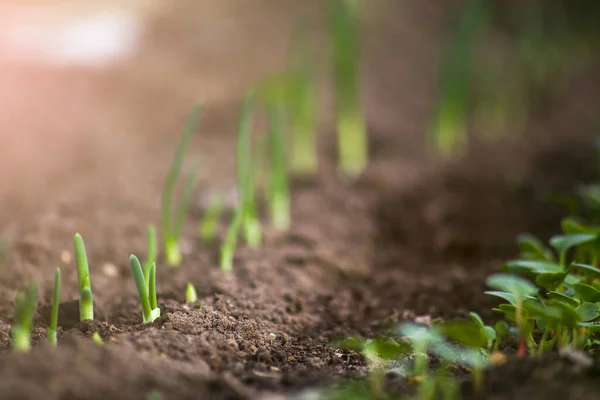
172,221
86,299
210,222
345,25
191,296
151,258
96,338
379,353
146,291
25,308
272,337
245,175
449,131
301,98
228,248
54,313
279,194
516,290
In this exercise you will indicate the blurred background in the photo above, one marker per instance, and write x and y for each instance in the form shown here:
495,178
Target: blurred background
89,91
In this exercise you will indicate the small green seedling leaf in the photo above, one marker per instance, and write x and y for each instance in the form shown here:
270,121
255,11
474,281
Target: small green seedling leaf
272,337
533,267
54,313
518,286
563,243
385,349
589,270
148,314
563,298
191,296
588,311
533,248
503,295
571,226
86,299
587,293
467,334
550,280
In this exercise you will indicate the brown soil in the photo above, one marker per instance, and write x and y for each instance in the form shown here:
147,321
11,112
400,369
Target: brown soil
411,238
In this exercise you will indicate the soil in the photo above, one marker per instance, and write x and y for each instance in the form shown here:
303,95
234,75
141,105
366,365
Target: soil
412,238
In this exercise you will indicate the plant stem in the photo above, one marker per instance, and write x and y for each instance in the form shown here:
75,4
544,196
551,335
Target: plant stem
210,222
25,310
152,287
55,305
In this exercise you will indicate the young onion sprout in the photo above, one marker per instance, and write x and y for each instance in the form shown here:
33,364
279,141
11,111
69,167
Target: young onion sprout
146,290
278,186
151,257
172,221
449,132
54,313
344,20
86,299
26,306
301,98
210,222
245,174
191,296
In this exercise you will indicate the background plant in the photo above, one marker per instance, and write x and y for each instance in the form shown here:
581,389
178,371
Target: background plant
172,221
86,299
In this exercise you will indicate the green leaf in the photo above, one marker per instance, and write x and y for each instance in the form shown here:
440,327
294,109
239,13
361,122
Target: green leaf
501,328
516,285
476,318
554,313
573,226
588,311
563,243
587,293
589,270
503,295
532,246
386,349
465,333
563,298
530,266
592,327
550,281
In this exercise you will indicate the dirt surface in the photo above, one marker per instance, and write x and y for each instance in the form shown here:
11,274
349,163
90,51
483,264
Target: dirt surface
410,238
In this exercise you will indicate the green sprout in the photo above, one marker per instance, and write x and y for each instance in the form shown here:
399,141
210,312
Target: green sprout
301,99
191,296
228,247
146,290
379,354
345,25
210,222
151,257
279,194
245,175
25,308
96,338
272,337
54,313
86,299
449,130
172,221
